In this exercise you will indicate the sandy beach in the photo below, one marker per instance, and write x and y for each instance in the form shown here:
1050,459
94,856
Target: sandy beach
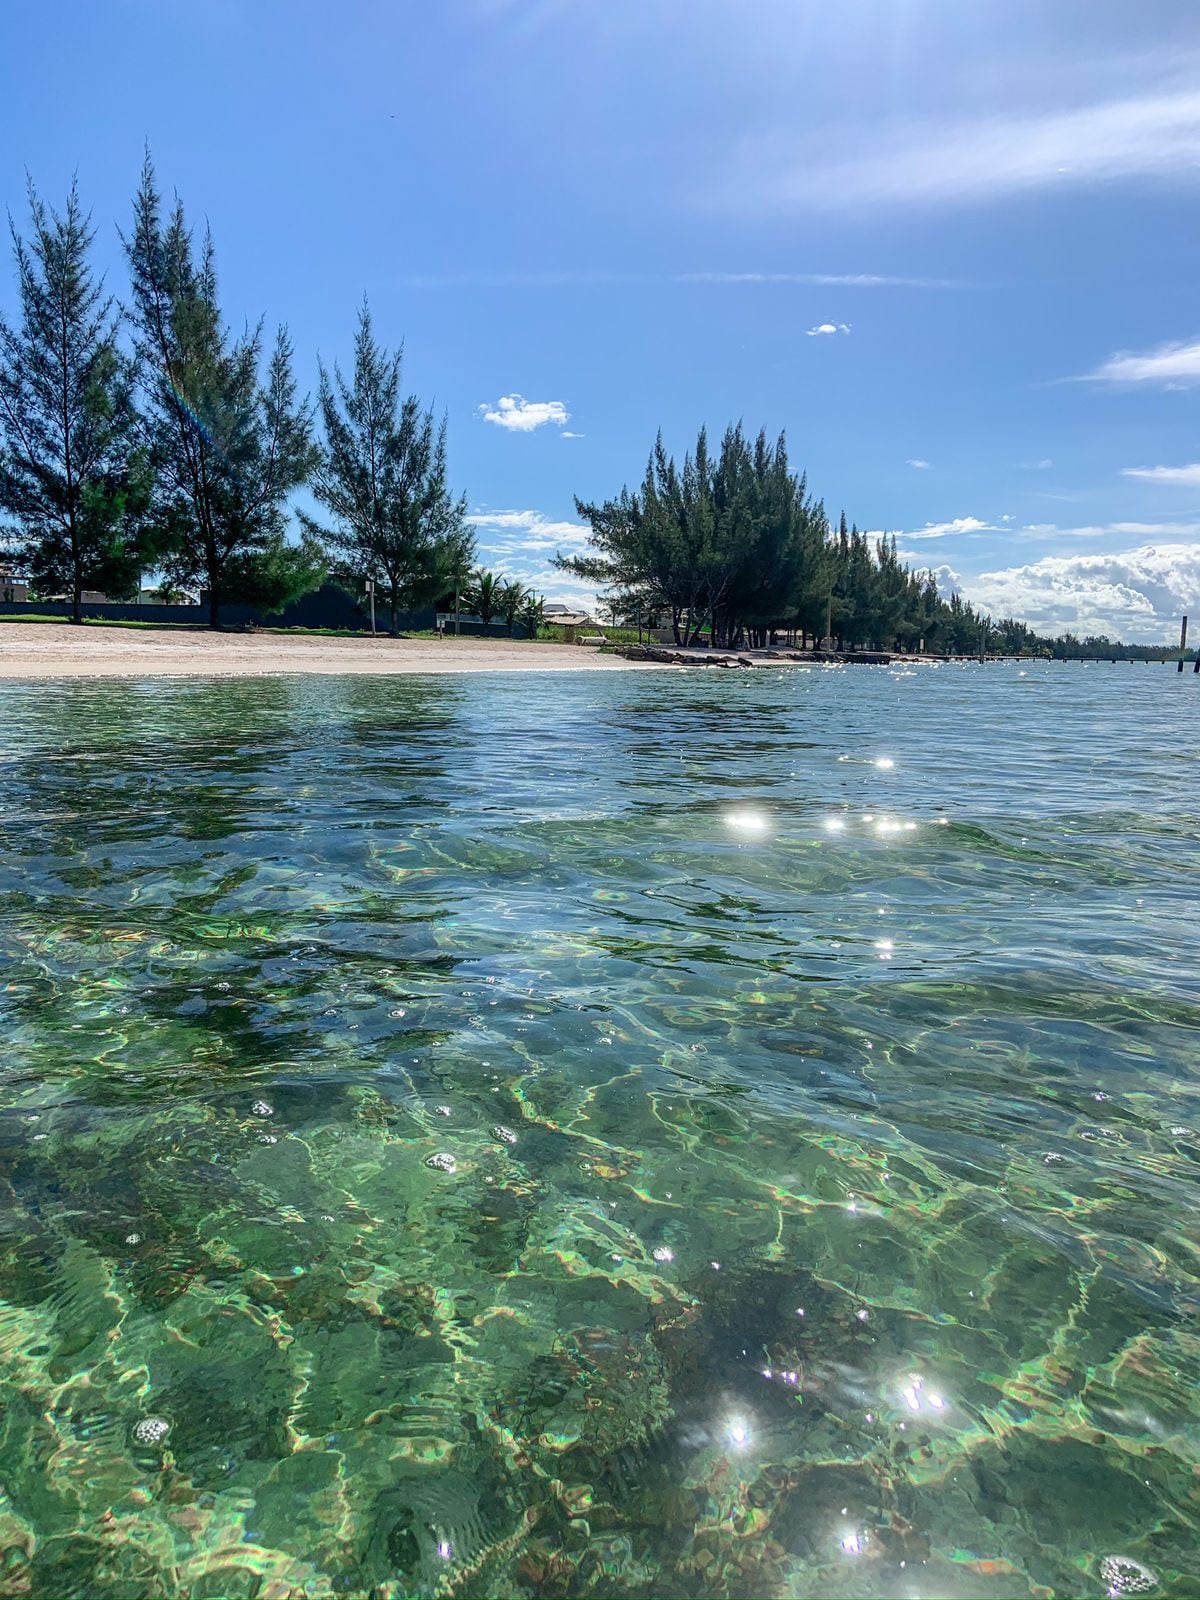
51,650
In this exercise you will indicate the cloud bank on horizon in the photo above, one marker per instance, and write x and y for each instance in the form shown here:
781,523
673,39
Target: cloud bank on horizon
1125,595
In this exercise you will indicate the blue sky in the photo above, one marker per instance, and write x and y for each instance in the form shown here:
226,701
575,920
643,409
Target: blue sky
591,218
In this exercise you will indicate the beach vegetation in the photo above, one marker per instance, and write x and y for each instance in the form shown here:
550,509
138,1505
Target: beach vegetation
75,478
381,477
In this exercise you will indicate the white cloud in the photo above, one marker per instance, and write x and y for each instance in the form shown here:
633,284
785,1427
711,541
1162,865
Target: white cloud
522,545
921,466
947,530
568,279
1176,366
821,280
1136,595
1101,530
1038,466
948,581
514,412
1186,475
933,162
825,328
567,434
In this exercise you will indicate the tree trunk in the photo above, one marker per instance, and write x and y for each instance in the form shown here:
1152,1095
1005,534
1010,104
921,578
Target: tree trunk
394,610
77,602
214,609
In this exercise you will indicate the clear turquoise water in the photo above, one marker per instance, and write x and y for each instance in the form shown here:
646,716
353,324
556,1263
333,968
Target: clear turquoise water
820,1212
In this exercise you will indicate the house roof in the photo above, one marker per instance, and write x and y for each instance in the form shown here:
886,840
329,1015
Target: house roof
560,613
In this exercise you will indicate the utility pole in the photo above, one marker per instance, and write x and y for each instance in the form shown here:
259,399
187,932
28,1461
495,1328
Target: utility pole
371,592
1182,643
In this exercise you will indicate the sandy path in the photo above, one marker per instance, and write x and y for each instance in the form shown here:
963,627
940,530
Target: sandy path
52,650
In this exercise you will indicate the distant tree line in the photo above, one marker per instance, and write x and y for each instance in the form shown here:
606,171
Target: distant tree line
146,437
1012,638
730,546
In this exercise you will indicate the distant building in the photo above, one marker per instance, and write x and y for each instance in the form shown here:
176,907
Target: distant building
566,616
174,597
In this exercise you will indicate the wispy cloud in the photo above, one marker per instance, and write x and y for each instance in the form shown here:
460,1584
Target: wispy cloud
529,530
947,530
921,466
522,545
823,329
567,434
570,279
1189,475
1154,134
822,280
1043,465
1172,365
518,415
1104,530
1133,594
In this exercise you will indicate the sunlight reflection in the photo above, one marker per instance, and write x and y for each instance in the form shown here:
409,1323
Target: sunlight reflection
751,823
918,1398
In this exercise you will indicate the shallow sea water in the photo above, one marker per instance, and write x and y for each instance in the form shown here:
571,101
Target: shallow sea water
601,1135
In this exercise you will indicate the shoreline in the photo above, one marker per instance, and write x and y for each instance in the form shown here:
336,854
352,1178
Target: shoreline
63,650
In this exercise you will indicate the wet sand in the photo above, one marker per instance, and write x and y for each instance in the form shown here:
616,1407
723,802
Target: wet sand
53,650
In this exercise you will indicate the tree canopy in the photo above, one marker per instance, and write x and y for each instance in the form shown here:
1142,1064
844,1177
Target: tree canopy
229,442
731,544
382,478
74,479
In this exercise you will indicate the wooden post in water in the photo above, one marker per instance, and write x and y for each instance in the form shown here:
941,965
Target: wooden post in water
1182,642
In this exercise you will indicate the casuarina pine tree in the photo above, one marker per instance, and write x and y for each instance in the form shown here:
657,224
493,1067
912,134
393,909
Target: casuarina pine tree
383,481
73,480
230,444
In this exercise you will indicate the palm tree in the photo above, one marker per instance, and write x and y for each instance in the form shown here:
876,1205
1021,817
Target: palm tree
483,595
510,602
533,613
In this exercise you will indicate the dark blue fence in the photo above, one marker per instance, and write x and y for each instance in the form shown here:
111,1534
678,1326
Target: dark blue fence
328,607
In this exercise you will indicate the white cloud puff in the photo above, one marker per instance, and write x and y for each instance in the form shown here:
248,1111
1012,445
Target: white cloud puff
1136,595
518,415
824,329
1188,476
948,581
1172,366
916,461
